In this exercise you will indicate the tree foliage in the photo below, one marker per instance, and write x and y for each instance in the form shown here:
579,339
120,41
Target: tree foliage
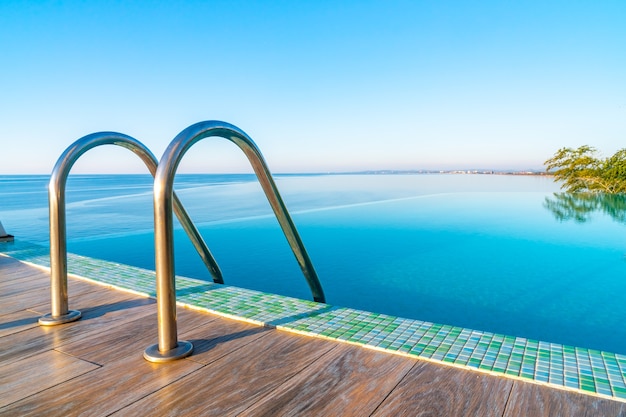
581,170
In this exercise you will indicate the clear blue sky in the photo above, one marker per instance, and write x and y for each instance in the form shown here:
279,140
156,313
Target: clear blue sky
319,85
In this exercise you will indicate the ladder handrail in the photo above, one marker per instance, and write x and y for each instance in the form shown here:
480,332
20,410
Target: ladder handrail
168,347
56,197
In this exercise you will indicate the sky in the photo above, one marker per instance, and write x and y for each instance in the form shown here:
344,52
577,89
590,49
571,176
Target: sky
320,86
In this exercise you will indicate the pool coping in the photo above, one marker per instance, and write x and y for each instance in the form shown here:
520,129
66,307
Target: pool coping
587,371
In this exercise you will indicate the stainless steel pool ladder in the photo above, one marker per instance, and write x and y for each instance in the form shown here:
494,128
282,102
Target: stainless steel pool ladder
168,347
56,198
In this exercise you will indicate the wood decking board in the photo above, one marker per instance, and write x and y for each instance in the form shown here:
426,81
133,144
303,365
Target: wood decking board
352,381
81,295
35,288
233,383
102,391
18,321
14,285
95,320
13,270
220,338
37,373
430,391
130,336
126,337
25,301
95,367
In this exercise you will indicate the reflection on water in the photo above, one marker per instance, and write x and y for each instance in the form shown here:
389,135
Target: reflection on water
580,206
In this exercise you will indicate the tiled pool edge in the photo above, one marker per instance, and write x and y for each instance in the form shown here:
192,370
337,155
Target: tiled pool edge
601,374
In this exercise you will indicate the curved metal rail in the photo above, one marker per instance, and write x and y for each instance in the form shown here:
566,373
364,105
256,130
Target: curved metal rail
169,348
56,197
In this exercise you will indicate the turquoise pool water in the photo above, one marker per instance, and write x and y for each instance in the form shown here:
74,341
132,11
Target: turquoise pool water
480,252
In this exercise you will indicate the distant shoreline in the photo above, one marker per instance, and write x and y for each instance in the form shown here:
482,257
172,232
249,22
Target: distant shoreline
365,172
433,171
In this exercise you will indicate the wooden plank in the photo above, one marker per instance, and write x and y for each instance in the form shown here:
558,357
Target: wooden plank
537,400
127,336
29,376
104,390
81,295
130,336
348,381
17,322
12,269
221,337
116,310
37,298
437,390
234,382
26,299
11,283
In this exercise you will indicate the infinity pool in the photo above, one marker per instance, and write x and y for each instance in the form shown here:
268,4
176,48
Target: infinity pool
488,252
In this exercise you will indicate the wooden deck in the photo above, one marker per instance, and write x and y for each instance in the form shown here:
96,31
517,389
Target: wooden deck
95,367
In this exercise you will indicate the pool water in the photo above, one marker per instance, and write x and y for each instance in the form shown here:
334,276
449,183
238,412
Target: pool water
476,251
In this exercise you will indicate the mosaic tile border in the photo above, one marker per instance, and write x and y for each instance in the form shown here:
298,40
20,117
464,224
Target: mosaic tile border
584,370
